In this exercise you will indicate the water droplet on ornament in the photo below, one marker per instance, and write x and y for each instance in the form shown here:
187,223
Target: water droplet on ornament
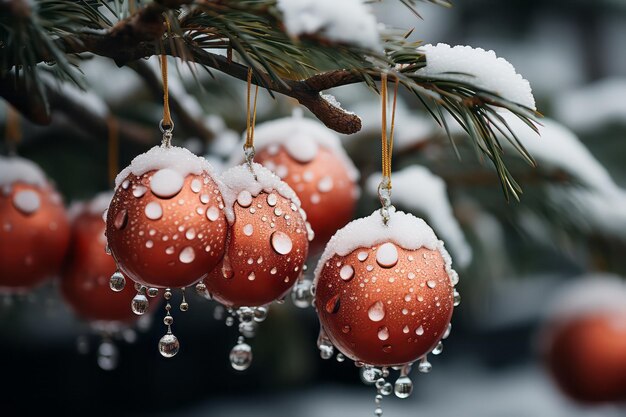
166,183
212,213
244,198
362,256
169,345
139,191
196,185
187,255
204,198
117,281
139,304
376,312
431,283
403,387
457,298
251,276
121,219
125,184
273,271
419,331
241,356
281,242
438,349
301,294
387,255
346,329
190,234
424,366
153,292
325,184
383,333
332,306
149,244
27,201
346,273
248,230
370,374
153,210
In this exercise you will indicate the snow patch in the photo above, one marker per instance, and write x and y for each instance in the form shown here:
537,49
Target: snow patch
593,106
239,179
301,137
417,189
403,229
477,67
345,21
592,293
177,159
15,169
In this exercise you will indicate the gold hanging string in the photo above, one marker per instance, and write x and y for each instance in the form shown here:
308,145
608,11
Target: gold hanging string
113,146
248,147
167,124
13,129
384,188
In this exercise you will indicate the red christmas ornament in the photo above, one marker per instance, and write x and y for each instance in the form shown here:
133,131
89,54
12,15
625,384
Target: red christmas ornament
385,293
34,231
85,283
267,243
309,157
584,341
166,226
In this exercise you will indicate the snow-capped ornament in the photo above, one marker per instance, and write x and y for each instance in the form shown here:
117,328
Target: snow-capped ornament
267,244
384,289
34,230
85,281
166,226
309,157
385,293
266,248
584,340
267,241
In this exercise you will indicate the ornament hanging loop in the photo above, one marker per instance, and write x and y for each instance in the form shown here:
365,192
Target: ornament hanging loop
248,147
167,133
166,124
384,188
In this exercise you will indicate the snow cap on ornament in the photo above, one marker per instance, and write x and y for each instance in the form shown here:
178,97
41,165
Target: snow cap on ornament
34,230
310,158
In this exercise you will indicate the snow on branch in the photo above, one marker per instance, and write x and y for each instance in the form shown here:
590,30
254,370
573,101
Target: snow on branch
480,68
345,21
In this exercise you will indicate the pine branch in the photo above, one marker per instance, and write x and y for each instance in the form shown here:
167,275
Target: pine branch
298,68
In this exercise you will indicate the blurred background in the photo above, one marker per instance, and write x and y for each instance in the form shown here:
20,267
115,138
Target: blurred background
517,256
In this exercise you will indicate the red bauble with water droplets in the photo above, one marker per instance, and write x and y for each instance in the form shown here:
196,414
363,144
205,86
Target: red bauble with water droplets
85,282
385,311
383,304
266,249
166,229
587,357
34,230
327,193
